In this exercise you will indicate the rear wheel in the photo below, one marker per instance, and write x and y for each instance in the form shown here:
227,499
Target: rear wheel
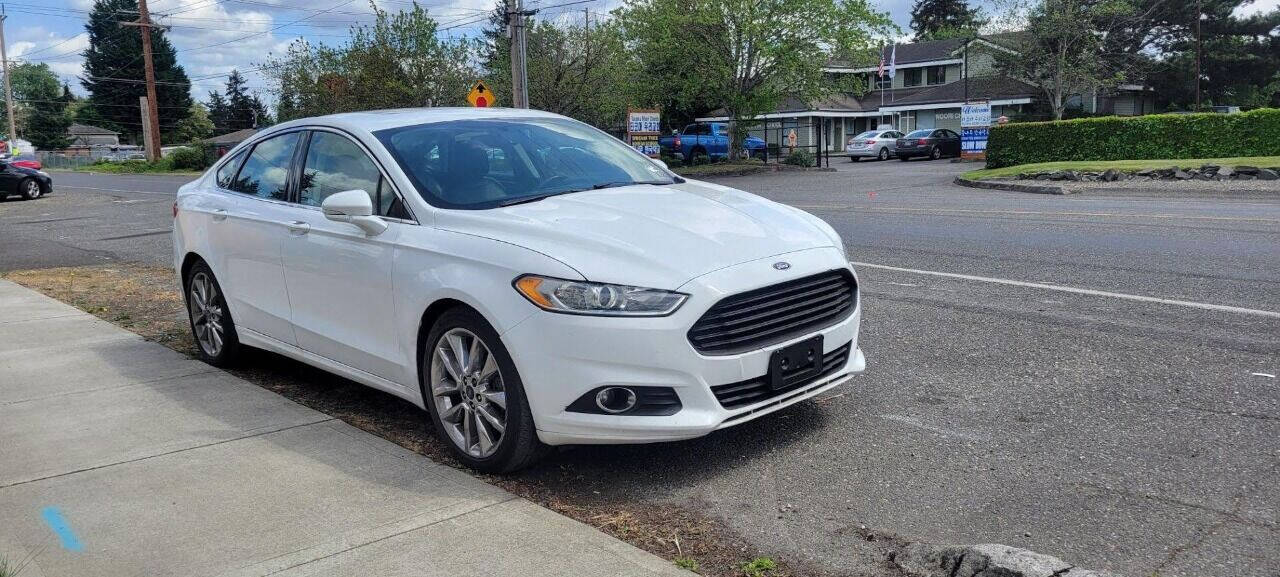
475,396
29,189
884,154
211,324
853,158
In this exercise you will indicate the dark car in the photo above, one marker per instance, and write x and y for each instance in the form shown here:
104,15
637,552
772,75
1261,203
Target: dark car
25,182
934,143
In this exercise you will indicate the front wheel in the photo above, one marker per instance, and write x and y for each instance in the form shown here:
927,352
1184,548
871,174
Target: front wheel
936,153
884,154
29,189
211,324
475,396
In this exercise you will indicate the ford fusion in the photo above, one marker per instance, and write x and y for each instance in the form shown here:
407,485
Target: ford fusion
526,279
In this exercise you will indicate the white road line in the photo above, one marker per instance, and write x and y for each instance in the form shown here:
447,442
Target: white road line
1081,291
946,211
115,189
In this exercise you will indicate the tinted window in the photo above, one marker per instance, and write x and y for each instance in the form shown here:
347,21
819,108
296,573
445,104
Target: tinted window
867,134
227,174
483,163
937,74
265,173
911,77
336,164
919,134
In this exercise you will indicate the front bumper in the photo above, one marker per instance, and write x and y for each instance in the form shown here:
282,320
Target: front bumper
561,357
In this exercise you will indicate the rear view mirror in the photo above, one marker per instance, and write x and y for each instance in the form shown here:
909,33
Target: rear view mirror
353,206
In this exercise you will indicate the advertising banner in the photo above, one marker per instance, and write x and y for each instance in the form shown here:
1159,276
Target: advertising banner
643,129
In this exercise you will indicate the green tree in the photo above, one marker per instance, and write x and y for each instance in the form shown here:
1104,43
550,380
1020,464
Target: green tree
940,19
397,61
746,55
1240,62
196,126
114,70
40,110
583,71
1062,50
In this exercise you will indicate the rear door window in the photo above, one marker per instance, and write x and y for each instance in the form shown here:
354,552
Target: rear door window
265,173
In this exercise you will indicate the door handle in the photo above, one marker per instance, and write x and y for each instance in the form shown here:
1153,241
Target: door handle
219,214
297,227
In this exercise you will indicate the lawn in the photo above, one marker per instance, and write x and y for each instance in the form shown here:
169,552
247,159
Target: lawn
132,167
1127,165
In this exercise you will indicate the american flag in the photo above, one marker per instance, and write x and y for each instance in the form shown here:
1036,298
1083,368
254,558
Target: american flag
881,72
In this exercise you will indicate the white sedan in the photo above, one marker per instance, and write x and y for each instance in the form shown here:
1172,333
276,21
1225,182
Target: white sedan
525,278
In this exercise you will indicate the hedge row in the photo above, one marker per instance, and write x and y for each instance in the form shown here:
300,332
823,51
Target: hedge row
1253,133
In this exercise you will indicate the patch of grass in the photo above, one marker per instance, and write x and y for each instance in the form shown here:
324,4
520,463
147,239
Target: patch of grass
1129,165
145,299
163,166
688,563
759,567
727,168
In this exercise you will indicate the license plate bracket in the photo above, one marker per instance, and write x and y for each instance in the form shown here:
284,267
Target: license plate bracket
795,363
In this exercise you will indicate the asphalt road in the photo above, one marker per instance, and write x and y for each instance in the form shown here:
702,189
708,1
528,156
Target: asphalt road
1088,387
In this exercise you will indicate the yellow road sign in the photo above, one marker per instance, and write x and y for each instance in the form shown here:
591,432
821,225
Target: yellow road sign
480,95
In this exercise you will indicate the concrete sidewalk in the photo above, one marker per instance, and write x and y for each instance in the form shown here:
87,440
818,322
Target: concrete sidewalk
121,457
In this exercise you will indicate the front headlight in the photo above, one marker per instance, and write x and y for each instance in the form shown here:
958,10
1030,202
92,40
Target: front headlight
592,298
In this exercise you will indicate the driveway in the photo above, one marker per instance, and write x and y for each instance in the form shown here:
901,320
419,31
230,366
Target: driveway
1087,376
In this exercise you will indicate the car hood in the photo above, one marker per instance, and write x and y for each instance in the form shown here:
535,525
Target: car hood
647,235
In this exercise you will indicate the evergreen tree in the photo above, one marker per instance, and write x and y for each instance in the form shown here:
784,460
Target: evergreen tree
113,67
237,109
938,19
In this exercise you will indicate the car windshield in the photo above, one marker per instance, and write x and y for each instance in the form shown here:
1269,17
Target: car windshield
869,134
478,164
920,133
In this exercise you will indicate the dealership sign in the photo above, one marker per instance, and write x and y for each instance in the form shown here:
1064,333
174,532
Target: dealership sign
642,131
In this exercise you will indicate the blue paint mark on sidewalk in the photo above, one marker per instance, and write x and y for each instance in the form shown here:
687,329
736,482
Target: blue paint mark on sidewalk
53,517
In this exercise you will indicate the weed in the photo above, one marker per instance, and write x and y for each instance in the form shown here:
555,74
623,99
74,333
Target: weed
682,562
759,567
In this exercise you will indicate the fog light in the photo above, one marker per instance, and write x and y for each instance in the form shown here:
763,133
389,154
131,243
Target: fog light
615,399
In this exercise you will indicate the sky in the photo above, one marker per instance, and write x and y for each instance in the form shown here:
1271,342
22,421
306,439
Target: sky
52,31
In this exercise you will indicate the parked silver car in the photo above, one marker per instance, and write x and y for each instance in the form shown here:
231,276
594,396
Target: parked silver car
872,144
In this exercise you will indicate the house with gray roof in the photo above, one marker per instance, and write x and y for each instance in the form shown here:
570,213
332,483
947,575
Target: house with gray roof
86,135
933,80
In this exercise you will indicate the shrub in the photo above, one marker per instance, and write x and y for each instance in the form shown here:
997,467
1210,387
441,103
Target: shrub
799,158
189,158
1158,136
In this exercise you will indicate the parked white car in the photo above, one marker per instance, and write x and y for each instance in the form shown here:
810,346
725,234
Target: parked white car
527,279
879,144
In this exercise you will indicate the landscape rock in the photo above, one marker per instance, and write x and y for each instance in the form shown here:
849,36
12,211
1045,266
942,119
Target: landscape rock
1267,174
987,560
1110,175
1148,172
1249,170
1180,174
1225,172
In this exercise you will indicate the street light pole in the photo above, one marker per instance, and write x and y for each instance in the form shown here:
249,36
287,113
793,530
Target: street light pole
1199,53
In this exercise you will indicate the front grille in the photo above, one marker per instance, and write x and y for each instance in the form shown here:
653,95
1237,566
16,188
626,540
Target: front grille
773,314
743,393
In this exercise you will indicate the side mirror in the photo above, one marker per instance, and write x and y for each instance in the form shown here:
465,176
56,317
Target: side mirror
661,163
353,206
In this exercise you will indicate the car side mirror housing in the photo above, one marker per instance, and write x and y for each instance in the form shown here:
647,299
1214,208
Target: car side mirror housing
353,206
661,163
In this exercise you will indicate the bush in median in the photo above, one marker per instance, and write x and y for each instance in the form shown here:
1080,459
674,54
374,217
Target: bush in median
1173,136
189,158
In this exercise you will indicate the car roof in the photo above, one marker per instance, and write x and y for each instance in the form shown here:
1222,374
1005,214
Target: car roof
374,120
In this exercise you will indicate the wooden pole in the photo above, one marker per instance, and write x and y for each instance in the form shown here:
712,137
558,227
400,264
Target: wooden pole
151,121
8,88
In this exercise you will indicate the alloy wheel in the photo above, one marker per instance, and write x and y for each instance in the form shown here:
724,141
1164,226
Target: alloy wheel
206,314
468,392
32,189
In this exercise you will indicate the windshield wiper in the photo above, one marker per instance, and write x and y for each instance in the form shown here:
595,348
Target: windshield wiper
617,183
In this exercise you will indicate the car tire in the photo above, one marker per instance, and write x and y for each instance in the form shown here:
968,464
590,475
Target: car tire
480,407
853,158
29,189
212,327
884,154
935,154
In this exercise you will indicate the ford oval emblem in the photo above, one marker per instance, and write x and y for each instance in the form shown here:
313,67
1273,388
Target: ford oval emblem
782,265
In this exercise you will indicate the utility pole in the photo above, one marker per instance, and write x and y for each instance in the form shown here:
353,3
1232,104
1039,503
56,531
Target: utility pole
152,121
519,75
1199,54
8,88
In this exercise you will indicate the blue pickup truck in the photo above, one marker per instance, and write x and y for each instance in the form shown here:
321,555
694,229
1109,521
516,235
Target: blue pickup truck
710,139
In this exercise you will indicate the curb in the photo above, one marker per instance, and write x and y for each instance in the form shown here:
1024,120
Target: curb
1031,188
